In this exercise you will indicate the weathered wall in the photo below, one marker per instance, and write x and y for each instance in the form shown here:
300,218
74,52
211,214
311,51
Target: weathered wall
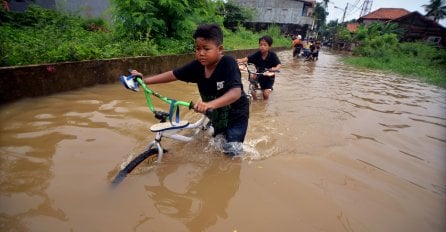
280,11
40,80
86,8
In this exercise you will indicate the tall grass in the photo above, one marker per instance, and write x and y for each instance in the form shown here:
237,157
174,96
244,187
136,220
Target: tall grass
418,60
243,38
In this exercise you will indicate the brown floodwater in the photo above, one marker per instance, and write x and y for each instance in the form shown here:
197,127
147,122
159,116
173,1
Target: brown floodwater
335,148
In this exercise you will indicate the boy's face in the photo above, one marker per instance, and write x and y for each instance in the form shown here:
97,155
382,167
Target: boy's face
207,52
263,46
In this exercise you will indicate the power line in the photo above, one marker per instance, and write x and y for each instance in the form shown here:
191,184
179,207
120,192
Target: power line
355,8
366,7
349,10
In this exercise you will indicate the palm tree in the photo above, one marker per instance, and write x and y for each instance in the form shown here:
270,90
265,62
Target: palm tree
436,8
319,15
326,4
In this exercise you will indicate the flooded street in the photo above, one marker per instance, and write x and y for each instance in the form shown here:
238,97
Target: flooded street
335,148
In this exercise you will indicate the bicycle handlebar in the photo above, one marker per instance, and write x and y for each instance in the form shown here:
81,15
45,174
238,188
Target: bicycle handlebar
161,97
249,66
132,81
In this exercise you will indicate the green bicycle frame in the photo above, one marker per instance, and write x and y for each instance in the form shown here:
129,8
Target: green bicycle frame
173,103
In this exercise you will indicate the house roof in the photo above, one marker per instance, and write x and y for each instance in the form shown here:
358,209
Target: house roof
386,14
425,21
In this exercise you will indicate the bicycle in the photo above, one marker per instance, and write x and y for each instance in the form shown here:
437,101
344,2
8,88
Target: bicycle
254,85
167,127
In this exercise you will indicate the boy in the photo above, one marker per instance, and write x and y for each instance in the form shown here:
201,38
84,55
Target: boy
264,59
219,83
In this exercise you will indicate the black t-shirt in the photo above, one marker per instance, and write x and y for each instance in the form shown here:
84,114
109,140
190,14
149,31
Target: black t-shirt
225,77
262,64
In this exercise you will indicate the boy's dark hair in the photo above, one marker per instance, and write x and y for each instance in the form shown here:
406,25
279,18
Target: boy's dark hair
210,32
267,39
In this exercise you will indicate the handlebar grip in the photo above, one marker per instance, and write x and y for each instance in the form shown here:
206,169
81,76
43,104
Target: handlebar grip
134,76
208,112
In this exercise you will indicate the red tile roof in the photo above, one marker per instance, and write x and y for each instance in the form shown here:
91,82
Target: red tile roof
386,14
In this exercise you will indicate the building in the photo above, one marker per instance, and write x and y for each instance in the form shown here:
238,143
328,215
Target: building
383,15
416,26
292,16
86,8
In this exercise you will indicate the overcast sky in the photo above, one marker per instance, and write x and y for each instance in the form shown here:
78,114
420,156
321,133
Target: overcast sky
353,12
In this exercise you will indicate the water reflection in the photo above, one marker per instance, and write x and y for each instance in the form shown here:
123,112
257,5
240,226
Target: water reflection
197,194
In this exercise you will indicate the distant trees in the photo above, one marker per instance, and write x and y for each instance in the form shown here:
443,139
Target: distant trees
143,19
320,15
436,8
234,15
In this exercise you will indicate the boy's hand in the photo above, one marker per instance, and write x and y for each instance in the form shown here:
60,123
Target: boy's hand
201,107
136,73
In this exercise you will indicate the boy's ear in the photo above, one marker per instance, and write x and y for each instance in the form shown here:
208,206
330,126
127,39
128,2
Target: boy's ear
220,48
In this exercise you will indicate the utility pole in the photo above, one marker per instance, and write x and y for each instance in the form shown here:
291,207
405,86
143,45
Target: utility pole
366,7
345,10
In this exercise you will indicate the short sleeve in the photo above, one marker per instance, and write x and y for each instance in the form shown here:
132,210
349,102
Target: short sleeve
275,59
189,72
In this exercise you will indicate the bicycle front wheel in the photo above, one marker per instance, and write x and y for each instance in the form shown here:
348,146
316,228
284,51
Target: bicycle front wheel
150,156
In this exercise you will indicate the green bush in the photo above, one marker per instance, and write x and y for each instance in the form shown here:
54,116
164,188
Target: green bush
243,38
419,60
40,35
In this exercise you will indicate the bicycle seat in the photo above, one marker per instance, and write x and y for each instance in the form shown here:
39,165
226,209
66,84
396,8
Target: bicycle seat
163,126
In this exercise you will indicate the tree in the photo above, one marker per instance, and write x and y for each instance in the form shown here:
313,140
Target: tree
319,15
436,8
377,30
326,4
145,19
234,15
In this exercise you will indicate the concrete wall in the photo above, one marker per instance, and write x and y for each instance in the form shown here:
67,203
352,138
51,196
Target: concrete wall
22,6
85,8
280,11
40,80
